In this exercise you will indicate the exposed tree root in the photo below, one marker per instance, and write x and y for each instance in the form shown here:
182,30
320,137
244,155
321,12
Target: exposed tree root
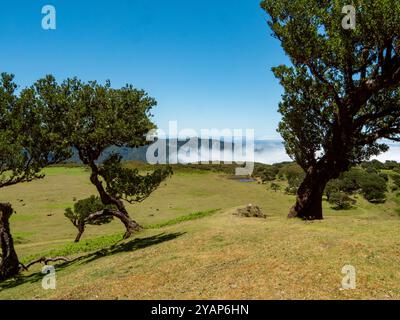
44,260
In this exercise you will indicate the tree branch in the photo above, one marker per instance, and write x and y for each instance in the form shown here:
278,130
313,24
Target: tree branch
44,260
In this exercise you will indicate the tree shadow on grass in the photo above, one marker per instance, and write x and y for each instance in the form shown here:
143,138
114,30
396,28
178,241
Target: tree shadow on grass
133,245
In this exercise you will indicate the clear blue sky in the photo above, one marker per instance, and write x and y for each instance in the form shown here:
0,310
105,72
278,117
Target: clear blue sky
207,62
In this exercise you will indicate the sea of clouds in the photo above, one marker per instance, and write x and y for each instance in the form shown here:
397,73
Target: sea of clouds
265,151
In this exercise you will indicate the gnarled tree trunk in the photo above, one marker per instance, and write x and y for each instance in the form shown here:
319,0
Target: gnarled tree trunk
309,197
81,229
308,204
9,265
122,214
130,225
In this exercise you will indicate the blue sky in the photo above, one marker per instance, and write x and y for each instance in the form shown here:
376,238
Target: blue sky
208,63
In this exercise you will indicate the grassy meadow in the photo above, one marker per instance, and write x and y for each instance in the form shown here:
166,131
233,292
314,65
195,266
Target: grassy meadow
193,247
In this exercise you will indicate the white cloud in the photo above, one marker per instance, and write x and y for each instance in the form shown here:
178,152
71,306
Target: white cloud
265,151
392,154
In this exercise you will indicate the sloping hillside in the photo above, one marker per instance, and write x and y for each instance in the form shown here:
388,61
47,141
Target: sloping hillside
212,255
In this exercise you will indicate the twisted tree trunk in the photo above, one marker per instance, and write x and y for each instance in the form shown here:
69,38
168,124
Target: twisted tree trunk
9,265
308,204
130,225
81,229
122,214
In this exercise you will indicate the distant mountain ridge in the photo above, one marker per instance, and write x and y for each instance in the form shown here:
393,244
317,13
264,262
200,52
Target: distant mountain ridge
265,151
261,148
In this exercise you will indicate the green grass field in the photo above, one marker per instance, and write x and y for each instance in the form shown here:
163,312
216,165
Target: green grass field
193,247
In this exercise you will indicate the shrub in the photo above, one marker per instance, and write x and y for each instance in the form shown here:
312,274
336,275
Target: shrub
341,201
293,184
391,165
396,180
265,172
274,186
294,175
373,188
350,180
384,176
269,174
82,210
375,165
332,187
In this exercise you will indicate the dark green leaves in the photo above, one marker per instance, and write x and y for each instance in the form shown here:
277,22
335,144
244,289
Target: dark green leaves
341,91
29,139
94,116
84,208
129,184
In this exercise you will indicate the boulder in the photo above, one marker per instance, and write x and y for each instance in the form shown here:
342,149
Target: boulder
250,211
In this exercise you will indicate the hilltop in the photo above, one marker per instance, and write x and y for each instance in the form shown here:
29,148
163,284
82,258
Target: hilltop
194,247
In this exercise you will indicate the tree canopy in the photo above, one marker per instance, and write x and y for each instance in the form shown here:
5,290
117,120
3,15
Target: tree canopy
82,211
96,117
29,141
29,138
341,90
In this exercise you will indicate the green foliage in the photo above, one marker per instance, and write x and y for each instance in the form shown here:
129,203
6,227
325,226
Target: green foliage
376,165
340,201
373,188
84,208
76,248
191,216
294,175
293,184
350,180
29,139
384,176
291,170
267,173
333,187
274,186
392,165
341,88
128,184
221,167
370,184
96,116
396,180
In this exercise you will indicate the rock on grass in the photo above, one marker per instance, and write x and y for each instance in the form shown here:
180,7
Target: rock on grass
250,211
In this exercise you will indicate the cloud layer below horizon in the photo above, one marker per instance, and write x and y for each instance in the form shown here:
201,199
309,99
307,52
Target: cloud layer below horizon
267,152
